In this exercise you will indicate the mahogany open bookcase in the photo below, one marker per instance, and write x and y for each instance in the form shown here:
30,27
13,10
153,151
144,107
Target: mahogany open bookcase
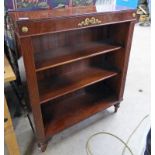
75,63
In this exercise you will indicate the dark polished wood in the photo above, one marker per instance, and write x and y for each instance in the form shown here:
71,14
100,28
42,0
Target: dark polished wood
75,63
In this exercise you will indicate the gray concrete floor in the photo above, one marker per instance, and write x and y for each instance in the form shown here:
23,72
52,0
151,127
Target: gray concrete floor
135,106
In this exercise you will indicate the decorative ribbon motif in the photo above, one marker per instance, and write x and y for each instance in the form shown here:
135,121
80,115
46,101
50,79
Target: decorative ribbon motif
90,21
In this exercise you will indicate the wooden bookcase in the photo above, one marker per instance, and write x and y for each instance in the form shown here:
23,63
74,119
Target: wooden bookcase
75,63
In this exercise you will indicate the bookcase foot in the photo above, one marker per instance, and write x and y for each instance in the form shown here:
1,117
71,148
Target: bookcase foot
117,107
42,146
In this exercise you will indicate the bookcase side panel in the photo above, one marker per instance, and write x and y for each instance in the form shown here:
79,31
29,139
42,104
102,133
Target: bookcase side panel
27,52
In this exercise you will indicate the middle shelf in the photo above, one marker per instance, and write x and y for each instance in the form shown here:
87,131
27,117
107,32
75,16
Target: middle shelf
57,86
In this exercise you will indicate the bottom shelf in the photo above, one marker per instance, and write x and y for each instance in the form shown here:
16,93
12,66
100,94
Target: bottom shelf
71,109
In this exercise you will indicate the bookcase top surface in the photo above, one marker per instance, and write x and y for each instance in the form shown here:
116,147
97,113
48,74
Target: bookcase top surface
65,12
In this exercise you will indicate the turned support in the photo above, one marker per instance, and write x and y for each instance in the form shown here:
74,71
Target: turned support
117,107
42,146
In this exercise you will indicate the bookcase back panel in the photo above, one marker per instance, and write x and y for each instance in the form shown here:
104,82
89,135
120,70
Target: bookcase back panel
65,70
69,38
114,34
119,33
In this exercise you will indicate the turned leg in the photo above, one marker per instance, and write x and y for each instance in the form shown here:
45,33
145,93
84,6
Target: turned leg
42,146
116,107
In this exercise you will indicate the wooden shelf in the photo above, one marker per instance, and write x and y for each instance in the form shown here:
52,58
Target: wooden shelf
55,87
68,54
70,110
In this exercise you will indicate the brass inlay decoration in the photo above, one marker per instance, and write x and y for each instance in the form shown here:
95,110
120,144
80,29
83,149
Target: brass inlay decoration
89,21
25,29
